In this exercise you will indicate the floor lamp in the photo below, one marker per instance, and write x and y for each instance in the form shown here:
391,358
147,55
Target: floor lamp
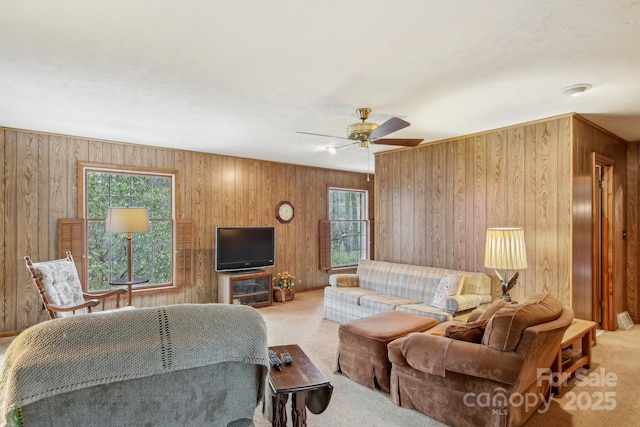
128,220
505,250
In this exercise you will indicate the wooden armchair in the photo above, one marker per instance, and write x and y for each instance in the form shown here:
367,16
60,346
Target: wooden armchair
60,289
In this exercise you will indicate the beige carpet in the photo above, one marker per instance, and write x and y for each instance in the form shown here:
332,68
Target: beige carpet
300,322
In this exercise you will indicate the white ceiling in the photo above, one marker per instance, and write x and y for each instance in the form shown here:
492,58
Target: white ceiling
241,77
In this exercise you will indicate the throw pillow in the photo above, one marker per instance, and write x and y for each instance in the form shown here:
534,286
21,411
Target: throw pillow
470,332
449,285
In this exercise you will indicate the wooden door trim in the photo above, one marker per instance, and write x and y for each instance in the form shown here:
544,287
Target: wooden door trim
608,317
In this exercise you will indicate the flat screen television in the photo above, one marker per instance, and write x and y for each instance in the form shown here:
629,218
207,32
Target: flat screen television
244,248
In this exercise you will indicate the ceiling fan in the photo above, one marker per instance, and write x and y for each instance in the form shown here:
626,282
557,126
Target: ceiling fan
364,133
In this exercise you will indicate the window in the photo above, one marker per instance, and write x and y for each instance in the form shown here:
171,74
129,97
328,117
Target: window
163,254
348,227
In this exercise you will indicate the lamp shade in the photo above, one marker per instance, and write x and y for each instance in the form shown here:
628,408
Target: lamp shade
127,220
505,249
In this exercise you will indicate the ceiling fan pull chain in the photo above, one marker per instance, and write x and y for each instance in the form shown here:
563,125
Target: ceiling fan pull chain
368,163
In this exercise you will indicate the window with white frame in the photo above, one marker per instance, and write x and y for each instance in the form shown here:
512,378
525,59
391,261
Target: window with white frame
107,252
349,226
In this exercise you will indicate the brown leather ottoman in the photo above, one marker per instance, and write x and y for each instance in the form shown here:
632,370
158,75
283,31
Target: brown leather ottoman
362,345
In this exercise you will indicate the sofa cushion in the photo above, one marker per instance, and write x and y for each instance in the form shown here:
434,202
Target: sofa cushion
449,285
348,294
382,302
471,332
505,328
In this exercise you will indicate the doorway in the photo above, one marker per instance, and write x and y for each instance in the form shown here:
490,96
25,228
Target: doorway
602,301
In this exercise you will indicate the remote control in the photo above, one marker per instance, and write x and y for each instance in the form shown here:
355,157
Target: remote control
274,360
286,358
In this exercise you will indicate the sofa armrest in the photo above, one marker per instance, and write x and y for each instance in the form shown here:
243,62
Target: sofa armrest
463,302
418,349
344,280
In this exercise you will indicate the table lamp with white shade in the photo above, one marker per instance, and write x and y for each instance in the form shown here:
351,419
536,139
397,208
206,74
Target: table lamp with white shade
505,250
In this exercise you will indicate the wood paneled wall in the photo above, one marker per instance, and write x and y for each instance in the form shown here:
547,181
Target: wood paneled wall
633,231
435,202
589,139
40,186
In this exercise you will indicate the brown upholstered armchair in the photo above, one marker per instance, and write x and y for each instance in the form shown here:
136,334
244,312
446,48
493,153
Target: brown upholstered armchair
495,371
60,289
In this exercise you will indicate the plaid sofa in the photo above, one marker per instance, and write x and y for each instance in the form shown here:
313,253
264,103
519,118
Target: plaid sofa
380,286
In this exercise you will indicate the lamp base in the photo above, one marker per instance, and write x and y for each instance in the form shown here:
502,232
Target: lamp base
505,295
507,284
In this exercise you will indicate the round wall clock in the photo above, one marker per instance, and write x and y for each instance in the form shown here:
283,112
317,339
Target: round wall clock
284,212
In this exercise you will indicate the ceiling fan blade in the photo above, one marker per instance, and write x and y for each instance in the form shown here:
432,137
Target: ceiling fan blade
346,146
405,142
390,126
320,134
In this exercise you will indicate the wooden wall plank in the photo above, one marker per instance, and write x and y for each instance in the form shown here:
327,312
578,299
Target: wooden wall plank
565,205
395,228
27,211
438,206
13,284
516,193
469,197
407,197
420,205
530,285
633,230
458,244
3,219
496,182
478,163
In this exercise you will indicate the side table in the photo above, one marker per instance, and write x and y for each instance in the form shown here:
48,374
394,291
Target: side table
569,359
307,385
125,282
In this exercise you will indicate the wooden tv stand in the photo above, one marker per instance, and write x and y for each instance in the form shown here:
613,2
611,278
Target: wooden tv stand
246,287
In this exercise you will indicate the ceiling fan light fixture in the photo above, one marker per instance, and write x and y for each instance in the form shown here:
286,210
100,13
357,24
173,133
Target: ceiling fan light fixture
360,131
576,89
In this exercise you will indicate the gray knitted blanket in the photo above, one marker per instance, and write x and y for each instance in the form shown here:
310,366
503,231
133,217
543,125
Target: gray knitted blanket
72,353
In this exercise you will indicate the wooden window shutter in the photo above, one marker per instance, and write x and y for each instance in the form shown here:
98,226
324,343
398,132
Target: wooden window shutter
72,237
184,252
372,246
324,233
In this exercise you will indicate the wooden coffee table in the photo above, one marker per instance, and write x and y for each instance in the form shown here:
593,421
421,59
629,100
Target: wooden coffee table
307,385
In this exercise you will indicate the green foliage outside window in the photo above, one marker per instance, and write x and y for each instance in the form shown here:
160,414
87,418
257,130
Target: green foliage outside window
349,235
107,252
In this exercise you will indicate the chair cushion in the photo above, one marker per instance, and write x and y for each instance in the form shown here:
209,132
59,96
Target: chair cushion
505,328
61,283
471,332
